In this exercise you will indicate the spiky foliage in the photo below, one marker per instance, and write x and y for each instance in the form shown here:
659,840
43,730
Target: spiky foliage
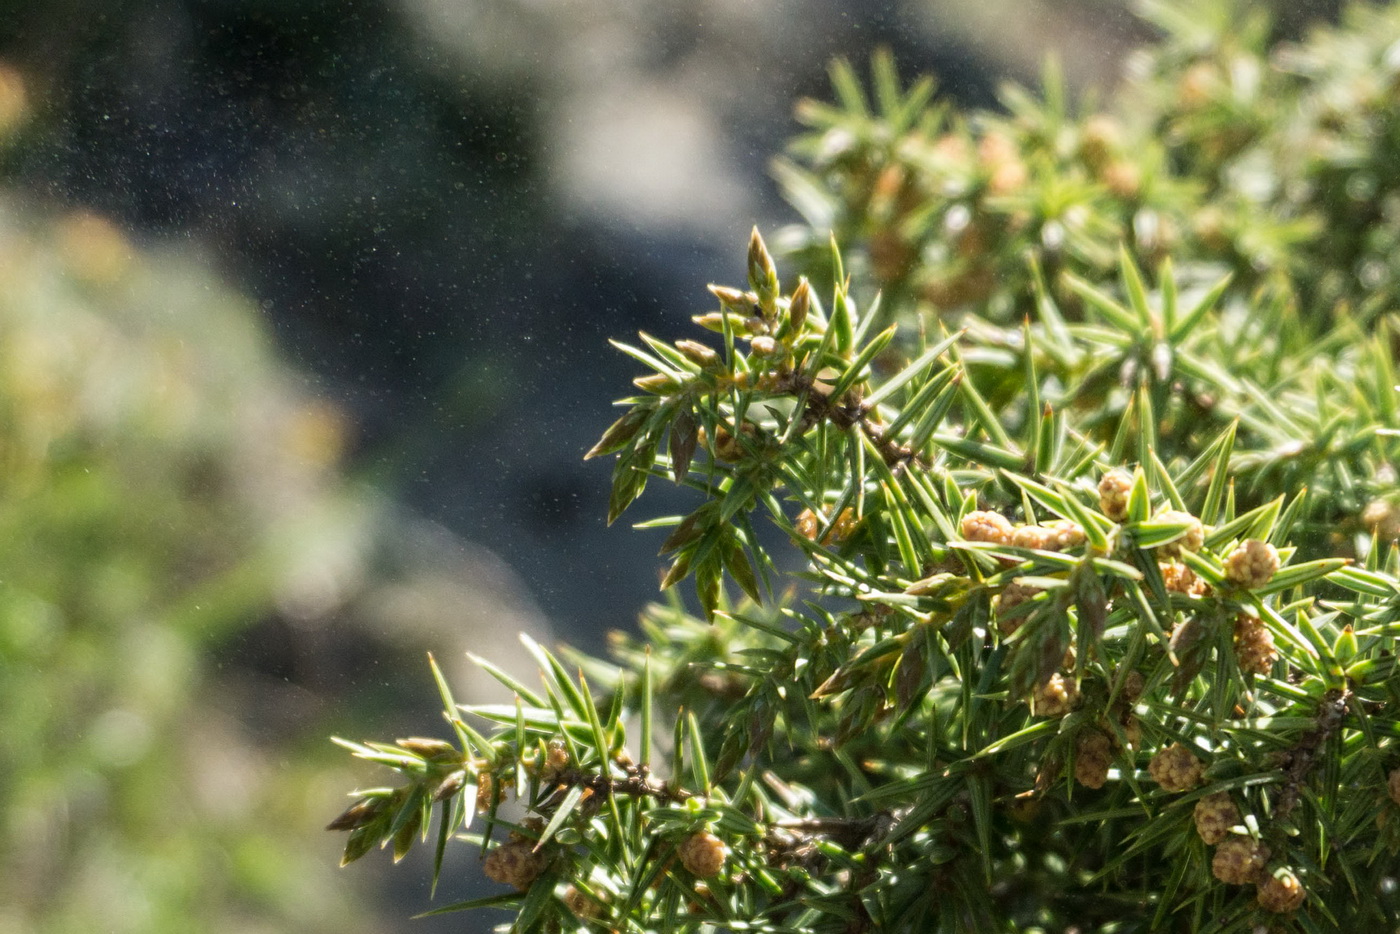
1086,614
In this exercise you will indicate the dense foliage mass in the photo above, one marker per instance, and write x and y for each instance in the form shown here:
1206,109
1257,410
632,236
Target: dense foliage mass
1092,580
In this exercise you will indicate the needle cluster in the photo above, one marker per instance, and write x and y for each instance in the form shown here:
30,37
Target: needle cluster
1081,431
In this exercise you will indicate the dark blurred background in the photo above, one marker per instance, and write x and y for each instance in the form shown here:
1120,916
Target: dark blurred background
441,210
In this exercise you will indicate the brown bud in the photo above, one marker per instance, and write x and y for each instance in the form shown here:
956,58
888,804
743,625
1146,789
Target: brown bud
1067,534
1033,536
702,854
1190,540
514,863
1178,578
449,785
734,301
1252,565
660,384
1281,892
1133,684
1132,732
1093,754
1239,860
799,306
1175,768
764,346
985,526
359,814
485,792
429,748
1215,815
1056,697
1254,645
697,353
1113,494
763,274
556,760
726,447
715,321
1013,595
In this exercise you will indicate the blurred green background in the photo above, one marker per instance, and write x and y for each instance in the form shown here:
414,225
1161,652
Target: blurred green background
303,310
